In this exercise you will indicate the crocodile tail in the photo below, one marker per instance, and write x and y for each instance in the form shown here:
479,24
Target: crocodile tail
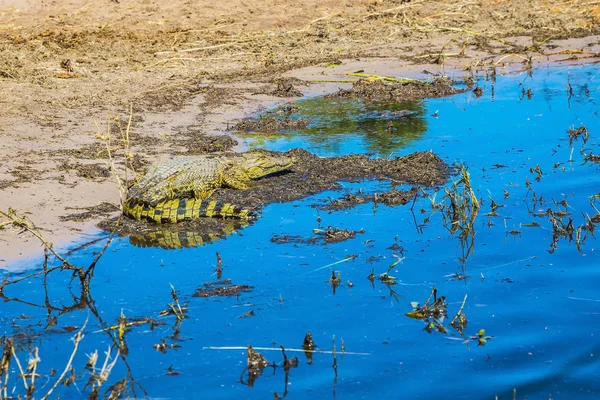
178,210
133,209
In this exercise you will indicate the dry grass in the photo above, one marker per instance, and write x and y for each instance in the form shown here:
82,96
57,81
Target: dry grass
115,60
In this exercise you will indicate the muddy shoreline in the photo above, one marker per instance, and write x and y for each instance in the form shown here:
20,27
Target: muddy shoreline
55,114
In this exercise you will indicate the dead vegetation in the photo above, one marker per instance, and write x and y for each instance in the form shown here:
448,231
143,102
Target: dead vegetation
435,313
195,43
270,124
91,378
379,89
29,375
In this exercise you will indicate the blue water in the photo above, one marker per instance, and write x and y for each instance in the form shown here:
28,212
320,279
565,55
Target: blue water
540,307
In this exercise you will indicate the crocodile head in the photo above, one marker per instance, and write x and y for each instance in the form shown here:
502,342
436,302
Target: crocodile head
258,164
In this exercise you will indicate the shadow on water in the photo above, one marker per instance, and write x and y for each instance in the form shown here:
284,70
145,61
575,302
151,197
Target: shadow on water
486,284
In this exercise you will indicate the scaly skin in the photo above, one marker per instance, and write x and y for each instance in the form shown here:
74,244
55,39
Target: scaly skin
178,210
179,189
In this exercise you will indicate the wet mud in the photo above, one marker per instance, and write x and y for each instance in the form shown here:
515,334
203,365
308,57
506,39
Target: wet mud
398,90
310,175
270,124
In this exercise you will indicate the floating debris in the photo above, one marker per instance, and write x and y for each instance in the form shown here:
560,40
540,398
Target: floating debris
221,289
309,346
247,314
175,308
255,359
255,366
334,235
437,310
435,313
481,338
163,346
575,133
335,281
538,171
385,277
590,157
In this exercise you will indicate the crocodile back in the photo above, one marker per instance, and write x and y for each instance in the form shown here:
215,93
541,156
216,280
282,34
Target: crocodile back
182,177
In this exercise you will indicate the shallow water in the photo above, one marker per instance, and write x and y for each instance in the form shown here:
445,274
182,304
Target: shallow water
540,307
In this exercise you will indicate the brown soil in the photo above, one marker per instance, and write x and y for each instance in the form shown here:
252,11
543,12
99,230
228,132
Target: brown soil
188,69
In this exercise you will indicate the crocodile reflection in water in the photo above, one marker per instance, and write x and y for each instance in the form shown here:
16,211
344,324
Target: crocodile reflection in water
173,237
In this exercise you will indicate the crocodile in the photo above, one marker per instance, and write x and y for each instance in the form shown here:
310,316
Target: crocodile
181,189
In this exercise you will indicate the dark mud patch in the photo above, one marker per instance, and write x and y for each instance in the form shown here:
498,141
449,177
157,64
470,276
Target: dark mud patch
270,124
195,142
4,184
284,87
310,175
172,97
87,171
138,163
221,289
392,198
101,210
166,98
380,90
92,151
575,133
